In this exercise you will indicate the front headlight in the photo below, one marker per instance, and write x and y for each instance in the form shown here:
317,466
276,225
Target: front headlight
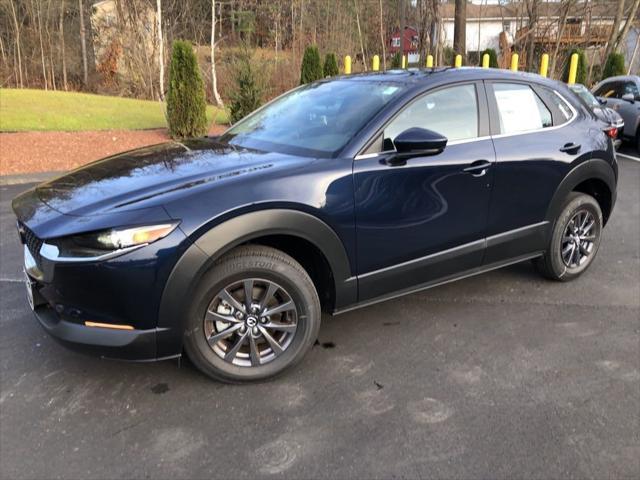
116,239
104,244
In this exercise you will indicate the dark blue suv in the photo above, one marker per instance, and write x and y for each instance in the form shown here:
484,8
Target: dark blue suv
336,195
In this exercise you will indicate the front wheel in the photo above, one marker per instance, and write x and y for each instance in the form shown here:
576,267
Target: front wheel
575,239
255,313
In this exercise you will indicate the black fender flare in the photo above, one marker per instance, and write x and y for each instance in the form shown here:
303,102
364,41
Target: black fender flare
207,248
591,169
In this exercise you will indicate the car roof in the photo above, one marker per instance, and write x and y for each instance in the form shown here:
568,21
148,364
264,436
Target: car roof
424,76
633,78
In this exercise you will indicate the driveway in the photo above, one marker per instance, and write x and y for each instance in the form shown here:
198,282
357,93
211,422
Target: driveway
504,375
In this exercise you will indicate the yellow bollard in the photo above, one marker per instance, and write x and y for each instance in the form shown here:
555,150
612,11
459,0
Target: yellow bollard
429,61
514,62
573,69
485,60
404,61
458,61
376,63
544,64
347,65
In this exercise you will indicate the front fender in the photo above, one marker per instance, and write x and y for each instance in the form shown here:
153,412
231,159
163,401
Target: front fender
223,237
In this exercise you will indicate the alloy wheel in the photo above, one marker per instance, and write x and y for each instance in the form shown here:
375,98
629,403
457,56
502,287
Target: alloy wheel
578,239
250,322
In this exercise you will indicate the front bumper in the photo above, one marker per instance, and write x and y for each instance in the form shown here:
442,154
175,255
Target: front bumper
107,308
132,345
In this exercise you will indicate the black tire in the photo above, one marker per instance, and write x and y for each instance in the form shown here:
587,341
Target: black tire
552,264
260,264
638,143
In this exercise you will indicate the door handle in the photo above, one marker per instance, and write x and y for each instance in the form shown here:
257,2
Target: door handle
571,148
478,168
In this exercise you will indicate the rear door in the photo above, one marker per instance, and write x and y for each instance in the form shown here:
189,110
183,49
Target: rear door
537,136
425,219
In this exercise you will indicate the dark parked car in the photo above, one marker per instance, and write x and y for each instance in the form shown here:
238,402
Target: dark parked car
622,93
334,196
604,113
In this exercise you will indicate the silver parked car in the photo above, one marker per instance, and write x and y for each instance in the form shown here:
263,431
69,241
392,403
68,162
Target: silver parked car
623,95
604,113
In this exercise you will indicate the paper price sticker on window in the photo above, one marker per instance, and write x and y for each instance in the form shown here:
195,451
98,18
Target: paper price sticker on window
518,108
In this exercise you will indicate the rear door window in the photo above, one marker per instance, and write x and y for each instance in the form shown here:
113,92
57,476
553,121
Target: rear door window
520,109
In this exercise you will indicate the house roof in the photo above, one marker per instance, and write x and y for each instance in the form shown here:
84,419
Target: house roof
601,9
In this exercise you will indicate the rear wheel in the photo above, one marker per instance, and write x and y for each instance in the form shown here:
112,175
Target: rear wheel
255,313
575,239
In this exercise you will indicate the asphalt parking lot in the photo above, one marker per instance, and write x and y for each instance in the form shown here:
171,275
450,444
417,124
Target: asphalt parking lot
505,375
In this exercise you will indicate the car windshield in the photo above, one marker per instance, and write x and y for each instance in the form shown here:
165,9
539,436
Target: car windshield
585,95
315,120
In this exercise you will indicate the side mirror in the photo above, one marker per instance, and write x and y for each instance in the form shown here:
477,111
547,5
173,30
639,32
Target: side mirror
602,101
419,141
629,97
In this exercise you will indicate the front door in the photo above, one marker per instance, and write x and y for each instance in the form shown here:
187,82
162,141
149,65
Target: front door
425,219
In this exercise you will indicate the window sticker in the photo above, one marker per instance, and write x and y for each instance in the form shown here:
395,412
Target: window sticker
518,109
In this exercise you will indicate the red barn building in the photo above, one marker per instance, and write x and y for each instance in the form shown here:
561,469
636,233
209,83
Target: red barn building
409,43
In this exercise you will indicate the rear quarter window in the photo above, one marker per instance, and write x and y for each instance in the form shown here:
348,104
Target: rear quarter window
520,109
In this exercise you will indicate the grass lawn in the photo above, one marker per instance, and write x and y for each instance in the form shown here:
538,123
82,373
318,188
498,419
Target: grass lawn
39,110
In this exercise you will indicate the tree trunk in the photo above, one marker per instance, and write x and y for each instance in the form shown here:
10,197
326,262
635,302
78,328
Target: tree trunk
214,80
479,34
631,15
562,21
83,44
160,49
615,28
62,49
384,56
633,56
532,12
42,60
364,60
460,27
49,44
18,53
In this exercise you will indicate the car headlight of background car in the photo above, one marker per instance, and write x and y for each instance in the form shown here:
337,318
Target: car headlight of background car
104,244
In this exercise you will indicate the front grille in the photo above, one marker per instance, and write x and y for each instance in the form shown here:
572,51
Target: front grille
32,242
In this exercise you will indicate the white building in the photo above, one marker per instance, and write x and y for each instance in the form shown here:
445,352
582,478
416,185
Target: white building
587,24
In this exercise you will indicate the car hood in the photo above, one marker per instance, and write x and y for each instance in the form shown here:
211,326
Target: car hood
141,178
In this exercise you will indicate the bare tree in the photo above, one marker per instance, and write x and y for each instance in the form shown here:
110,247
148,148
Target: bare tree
16,25
631,15
460,27
62,49
614,29
214,80
364,59
633,56
160,49
562,22
83,44
39,23
532,24
382,41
